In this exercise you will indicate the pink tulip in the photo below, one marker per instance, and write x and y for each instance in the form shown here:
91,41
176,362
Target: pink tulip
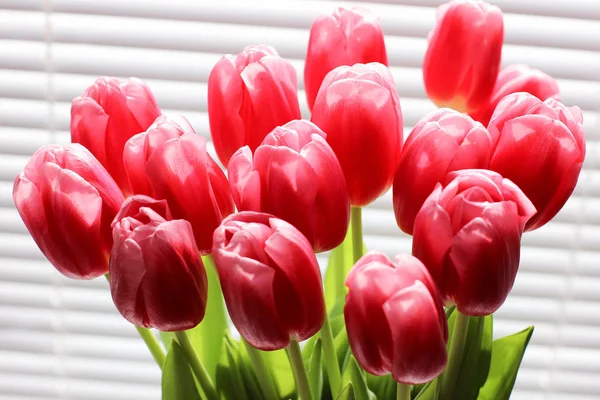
67,201
541,148
157,278
443,141
395,319
107,114
463,56
518,78
345,37
468,234
248,96
182,172
270,278
359,110
140,147
295,176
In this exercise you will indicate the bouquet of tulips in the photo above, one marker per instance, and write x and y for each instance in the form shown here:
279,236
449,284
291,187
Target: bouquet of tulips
137,198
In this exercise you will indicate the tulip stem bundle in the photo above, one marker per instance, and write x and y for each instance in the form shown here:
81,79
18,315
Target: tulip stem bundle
267,385
197,366
403,391
357,232
455,355
299,371
330,358
153,345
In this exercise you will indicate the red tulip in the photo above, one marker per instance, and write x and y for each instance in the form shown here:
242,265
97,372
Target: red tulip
468,234
67,201
157,278
541,148
359,109
345,37
518,78
395,319
140,147
248,96
182,172
107,114
443,141
270,278
463,56
295,176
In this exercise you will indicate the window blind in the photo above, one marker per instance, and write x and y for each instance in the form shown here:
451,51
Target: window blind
63,339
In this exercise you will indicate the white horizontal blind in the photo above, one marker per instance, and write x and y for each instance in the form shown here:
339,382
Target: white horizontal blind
62,339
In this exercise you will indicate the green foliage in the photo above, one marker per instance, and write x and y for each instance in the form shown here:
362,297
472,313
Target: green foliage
177,379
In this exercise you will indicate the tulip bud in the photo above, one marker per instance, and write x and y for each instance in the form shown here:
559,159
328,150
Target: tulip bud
270,278
345,37
463,56
395,319
248,96
443,141
359,109
67,201
518,78
182,172
541,148
157,278
468,234
140,147
294,175
107,114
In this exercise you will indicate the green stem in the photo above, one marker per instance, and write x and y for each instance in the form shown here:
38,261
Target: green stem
455,355
403,391
357,233
197,367
153,345
330,357
267,385
299,371
151,341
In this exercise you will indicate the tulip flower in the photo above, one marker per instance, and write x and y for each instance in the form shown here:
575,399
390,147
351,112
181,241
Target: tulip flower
345,37
248,96
67,201
107,114
463,56
295,176
182,172
140,147
468,234
443,141
518,78
270,278
359,109
541,148
395,319
157,278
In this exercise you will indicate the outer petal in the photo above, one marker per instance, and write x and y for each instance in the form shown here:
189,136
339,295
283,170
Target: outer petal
134,161
88,126
141,102
244,181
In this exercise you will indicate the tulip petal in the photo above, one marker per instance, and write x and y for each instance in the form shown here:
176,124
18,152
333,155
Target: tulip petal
134,160
244,181
88,126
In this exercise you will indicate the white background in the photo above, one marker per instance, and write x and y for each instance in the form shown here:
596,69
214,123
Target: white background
62,339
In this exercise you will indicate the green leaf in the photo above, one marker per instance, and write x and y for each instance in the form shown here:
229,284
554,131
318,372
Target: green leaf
229,382
315,371
207,337
166,338
384,387
353,373
342,346
347,393
278,364
428,392
248,375
340,263
177,378
477,355
507,354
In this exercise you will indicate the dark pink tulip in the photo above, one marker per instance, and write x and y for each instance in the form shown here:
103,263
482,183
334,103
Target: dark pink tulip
443,141
270,278
67,201
395,319
345,37
541,148
295,176
359,110
157,278
468,234
106,115
249,95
